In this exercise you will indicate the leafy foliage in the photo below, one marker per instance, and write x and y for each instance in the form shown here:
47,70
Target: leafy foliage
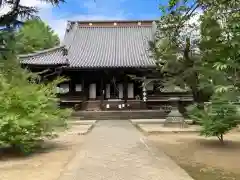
6,45
175,49
205,50
17,10
202,53
16,14
218,118
35,35
220,47
29,110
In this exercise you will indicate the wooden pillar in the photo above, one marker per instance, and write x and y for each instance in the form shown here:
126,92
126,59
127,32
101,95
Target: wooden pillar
82,85
125,90
114,88
72,85
83,90
102,92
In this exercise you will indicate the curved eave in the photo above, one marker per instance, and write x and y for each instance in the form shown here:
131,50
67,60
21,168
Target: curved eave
50,57
44,65
113,67
41,52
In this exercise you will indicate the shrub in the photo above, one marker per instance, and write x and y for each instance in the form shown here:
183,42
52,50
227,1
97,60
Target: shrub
29,111
218,118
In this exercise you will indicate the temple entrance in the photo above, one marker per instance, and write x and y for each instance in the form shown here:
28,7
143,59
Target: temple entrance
99,90
114,91
113,87
138,90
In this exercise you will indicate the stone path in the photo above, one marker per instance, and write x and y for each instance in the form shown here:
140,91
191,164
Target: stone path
115,150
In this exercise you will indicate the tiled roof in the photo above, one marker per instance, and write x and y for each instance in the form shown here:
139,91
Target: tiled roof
102,46
53,56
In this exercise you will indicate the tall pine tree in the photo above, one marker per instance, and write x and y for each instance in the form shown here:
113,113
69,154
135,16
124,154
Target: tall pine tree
35,35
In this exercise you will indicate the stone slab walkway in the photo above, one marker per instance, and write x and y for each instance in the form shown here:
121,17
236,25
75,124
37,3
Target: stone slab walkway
115,150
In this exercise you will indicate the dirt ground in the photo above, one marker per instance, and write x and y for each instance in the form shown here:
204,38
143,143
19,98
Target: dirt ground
46,165
203,158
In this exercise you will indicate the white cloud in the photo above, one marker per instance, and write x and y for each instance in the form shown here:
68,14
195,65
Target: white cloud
35,3
100,10
4,9
32,3
103,10
59,24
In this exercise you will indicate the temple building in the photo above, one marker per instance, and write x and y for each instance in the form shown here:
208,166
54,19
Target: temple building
100,59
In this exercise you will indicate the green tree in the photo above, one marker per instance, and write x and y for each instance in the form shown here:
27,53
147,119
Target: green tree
217,62
217,119
30,112
220,47
176,51
206,60
17,10
35,35
29,109
220,43
12,18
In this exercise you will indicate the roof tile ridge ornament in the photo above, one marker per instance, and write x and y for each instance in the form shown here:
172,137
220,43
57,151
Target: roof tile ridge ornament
74,28
154,29
69,25
64,51
65,54
67,62
42,51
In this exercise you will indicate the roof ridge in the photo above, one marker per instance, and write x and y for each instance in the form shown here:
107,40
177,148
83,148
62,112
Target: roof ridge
41,52
116,27
116,20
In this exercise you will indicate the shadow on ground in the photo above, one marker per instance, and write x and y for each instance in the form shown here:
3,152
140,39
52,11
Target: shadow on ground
202,158
7,153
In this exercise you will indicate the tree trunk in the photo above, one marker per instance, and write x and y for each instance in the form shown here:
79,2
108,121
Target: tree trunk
199,96
220,137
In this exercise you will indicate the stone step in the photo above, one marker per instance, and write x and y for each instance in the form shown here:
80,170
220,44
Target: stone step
92,105
81,121
147,121
109,115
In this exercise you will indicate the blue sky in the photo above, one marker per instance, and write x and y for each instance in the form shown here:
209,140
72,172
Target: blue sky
120,9
57,17
98,10
77,10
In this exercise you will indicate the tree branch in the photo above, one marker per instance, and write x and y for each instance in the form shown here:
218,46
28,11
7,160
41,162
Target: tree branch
10,16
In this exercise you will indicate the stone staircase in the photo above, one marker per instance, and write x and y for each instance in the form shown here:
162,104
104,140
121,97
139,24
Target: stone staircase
92,105
119,115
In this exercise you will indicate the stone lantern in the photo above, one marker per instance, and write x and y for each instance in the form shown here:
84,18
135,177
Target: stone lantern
174,118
